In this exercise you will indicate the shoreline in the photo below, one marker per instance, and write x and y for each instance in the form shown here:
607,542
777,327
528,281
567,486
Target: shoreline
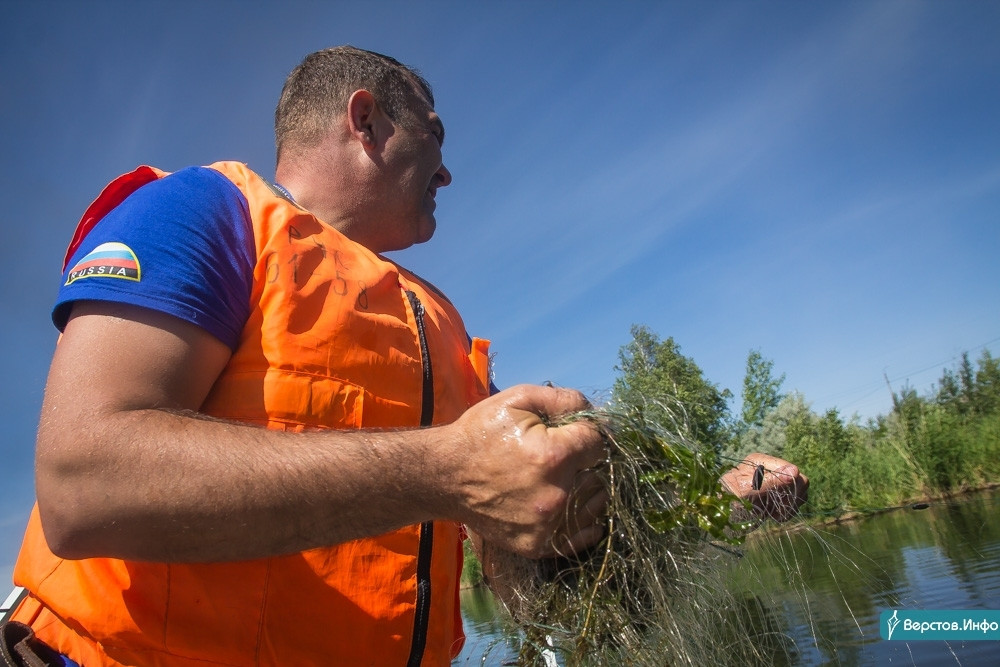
918,503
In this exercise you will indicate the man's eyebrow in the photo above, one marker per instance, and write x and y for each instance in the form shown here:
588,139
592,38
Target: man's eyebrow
439,127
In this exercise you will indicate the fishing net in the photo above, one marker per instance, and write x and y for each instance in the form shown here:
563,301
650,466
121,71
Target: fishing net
651,592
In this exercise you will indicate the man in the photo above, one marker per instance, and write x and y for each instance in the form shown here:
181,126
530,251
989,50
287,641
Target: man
217,478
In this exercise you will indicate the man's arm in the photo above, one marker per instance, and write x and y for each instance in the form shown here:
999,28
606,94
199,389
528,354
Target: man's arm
126,469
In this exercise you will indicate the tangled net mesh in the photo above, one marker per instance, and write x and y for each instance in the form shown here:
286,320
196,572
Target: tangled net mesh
652,591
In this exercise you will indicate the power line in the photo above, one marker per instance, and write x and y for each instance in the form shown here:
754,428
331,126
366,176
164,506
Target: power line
877,386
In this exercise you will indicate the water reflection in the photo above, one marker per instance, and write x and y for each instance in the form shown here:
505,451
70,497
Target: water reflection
816,594
486,642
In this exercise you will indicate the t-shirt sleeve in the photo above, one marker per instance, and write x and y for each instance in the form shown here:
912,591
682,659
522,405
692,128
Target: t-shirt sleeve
182,245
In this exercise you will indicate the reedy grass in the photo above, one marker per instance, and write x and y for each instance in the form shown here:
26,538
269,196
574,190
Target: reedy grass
650,593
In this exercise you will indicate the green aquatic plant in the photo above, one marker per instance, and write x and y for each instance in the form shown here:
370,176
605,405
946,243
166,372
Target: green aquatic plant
650,593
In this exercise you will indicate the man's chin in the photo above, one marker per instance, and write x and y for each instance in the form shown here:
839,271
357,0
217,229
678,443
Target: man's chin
426,231
423,230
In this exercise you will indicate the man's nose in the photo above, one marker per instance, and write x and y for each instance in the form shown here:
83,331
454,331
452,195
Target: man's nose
444,176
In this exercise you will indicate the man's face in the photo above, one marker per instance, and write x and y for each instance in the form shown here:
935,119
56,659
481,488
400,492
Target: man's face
414,171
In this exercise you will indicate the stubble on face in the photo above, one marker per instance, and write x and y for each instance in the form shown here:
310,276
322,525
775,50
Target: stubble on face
417,151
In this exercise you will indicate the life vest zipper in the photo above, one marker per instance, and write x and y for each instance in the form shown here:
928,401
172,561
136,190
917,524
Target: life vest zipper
427,397
423,604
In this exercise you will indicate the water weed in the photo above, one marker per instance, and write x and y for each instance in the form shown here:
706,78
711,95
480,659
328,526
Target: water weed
653,591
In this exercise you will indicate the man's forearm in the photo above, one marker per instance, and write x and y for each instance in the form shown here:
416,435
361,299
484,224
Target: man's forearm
167,486
151,484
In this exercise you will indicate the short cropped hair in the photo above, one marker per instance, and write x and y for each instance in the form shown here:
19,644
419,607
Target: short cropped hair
318,90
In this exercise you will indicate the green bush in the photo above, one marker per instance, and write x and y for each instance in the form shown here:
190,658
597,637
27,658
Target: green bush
945,442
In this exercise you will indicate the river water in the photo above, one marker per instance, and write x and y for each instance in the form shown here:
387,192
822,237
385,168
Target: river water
825,588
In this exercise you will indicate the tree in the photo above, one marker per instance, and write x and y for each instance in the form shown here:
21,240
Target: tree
761,391
770,437
988,384
971,392
967,378
657,378
948,391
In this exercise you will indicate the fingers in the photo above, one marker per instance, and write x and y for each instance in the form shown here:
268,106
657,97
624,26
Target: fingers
586,518
547,402
770,463
583,540
590,522
799,491
775,487
586,511
579,442
583,442
777,480
528,485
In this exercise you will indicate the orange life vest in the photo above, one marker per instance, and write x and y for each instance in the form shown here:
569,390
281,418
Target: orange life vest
338,337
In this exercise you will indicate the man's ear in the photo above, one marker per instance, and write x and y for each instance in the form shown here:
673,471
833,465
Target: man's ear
362,117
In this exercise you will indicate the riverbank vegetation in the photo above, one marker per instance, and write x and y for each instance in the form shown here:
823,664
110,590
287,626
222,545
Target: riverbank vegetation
937,444
941,443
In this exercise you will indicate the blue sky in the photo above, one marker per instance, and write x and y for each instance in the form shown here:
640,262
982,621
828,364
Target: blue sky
817,180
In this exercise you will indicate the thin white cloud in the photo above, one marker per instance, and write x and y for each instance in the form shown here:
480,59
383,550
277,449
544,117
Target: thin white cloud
574,218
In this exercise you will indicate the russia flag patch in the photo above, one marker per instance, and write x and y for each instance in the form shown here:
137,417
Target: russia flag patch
108,260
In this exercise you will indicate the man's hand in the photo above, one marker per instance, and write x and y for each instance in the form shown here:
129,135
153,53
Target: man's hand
774,487
527,486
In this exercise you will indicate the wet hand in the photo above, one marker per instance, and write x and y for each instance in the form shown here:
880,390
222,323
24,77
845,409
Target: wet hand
528,486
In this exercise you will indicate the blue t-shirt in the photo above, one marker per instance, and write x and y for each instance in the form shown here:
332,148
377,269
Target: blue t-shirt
182,245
